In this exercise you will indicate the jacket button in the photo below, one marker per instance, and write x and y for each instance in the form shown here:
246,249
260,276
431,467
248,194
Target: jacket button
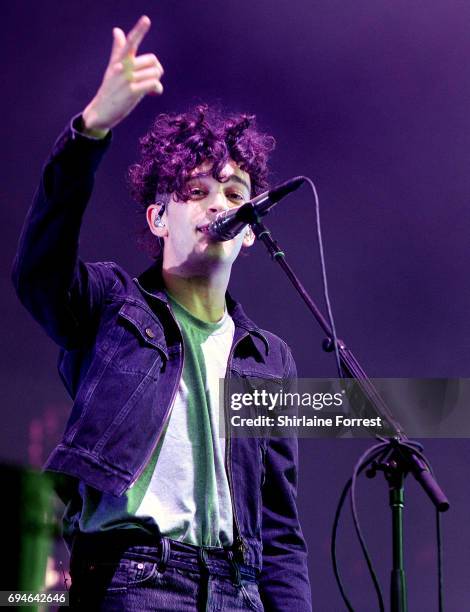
149,333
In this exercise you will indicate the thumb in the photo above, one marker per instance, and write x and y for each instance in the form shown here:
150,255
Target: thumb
119,41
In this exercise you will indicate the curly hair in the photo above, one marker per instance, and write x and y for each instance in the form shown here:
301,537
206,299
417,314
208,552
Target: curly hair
178,143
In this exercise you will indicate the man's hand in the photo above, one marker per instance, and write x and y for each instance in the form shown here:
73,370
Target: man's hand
126,81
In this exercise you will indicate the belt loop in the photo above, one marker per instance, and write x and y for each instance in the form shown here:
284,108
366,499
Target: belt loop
237,579
164,554
202,556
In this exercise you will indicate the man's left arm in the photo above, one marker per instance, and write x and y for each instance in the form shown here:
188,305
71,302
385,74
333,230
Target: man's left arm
284,581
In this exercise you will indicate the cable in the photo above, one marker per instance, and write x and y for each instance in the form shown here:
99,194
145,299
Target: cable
373,452
324,276
379,450
333,546
360,465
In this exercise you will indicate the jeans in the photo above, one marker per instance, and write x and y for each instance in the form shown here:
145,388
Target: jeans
167,576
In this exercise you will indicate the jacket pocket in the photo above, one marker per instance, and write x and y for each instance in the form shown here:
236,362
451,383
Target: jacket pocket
142,348
129,355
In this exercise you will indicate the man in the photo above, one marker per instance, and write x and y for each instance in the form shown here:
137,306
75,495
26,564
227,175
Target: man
162,514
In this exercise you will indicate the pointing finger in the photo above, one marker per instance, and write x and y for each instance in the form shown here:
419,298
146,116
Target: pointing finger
136,35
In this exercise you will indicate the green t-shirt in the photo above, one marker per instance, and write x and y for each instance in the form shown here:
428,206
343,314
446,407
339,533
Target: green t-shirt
184,488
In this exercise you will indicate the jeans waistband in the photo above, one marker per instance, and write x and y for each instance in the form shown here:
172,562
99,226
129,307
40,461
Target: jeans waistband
141,546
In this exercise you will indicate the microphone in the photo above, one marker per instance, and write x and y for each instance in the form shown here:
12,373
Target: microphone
229,223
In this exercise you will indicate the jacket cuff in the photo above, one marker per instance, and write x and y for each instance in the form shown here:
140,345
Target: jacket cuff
76,127
78,149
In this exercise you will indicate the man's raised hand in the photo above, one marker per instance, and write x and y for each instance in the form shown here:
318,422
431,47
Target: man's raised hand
128,78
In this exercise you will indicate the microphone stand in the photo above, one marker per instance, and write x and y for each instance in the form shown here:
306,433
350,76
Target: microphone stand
403,456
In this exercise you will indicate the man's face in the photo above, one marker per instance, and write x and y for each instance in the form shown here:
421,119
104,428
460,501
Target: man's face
188,251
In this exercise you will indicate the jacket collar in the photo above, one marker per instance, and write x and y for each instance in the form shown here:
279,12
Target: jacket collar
150,283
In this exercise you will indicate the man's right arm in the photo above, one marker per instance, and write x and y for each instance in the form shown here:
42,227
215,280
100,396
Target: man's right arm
61,292
51,281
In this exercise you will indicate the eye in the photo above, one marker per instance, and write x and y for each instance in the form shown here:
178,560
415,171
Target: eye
235,197
197,193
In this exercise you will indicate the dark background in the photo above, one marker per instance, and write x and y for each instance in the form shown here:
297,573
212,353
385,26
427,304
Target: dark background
371,100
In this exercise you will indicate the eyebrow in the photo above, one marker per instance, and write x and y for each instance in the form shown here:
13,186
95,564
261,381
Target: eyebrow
233,177
237,179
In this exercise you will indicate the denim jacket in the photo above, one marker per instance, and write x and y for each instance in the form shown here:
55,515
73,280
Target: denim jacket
121,360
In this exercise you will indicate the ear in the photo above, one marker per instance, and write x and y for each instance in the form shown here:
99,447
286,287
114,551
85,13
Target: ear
248,238
152,213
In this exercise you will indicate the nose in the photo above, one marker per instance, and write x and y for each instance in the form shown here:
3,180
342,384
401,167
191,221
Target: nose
218,203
